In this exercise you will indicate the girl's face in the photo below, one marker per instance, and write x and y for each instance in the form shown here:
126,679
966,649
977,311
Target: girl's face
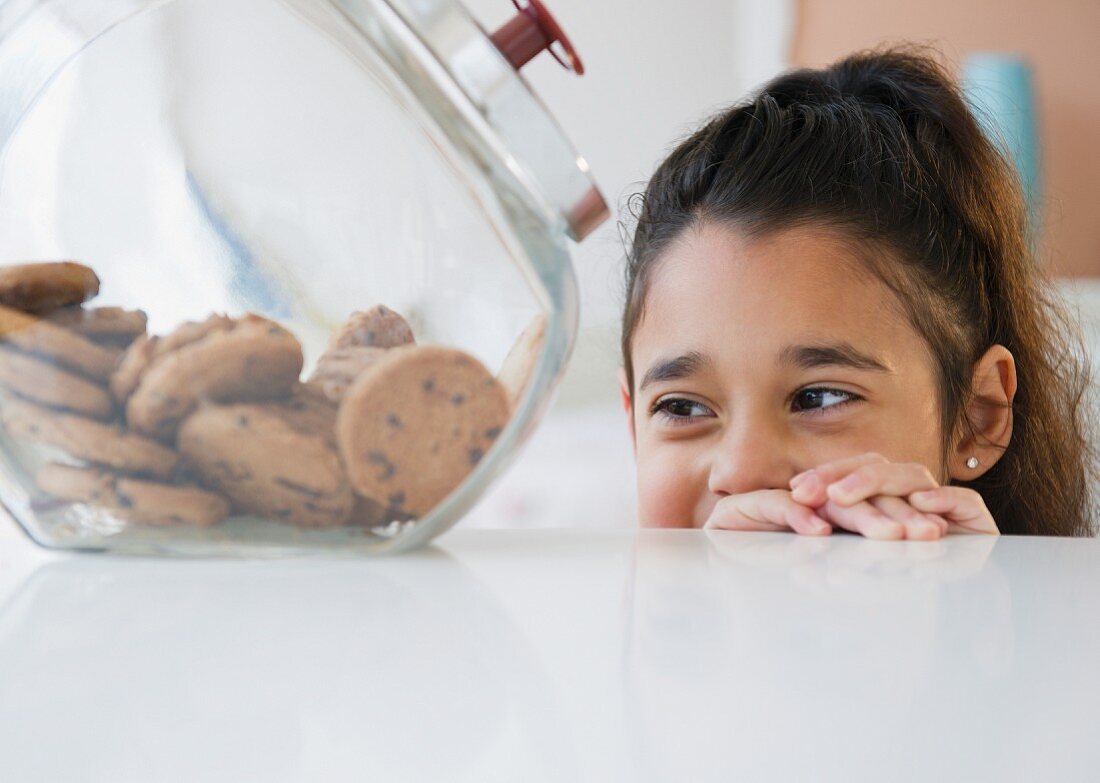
757,360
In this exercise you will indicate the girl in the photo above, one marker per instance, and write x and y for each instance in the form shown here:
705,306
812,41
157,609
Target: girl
834,319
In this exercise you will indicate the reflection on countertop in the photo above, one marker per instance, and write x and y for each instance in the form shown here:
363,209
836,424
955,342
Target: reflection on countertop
563,655
236,670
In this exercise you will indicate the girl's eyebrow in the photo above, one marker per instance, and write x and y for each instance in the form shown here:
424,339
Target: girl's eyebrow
807,357
682,366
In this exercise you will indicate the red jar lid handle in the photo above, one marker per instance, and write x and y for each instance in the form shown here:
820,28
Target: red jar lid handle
531,31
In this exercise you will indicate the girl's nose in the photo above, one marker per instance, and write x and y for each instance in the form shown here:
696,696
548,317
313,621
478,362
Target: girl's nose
750,456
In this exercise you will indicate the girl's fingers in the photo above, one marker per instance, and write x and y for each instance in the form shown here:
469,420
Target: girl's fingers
864,519
886,478
810,486
924,514
769,509
963,509
918,525
831,471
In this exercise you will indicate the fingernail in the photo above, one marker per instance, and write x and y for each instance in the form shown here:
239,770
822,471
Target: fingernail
821,527
928,530
799,479
886,530
848,484
809,484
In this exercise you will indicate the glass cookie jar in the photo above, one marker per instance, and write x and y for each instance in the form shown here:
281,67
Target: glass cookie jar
276,276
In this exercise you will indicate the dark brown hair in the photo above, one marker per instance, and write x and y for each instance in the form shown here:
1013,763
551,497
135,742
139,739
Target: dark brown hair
882,148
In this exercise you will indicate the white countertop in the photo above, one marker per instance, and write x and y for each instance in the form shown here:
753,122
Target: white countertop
559,655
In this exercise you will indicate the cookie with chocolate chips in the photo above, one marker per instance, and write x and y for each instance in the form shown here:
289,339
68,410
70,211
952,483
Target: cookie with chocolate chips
40,380
253,360
338,368
144,350
519,364
38,336
45,286
111,326
415,424
88,439
131,499
379,327
269,462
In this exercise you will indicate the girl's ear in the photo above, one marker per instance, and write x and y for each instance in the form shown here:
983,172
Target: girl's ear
624,392
987,428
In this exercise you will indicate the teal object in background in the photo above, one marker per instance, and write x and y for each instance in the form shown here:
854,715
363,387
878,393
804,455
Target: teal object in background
999,89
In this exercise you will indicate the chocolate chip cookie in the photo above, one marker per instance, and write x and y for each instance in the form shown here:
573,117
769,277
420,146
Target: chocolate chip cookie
40,287
111,326
255,359
339,367
145,349
87,439
41,381
134,500
39,336
266,465
413,426
379,327
519,364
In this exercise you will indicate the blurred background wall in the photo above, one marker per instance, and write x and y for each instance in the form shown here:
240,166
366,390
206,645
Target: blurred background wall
1059,39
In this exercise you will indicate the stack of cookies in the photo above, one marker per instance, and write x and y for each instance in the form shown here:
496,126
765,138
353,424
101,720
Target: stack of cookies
214,419
57,359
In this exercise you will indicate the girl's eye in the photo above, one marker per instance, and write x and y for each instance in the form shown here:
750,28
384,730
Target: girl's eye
818,399
679,410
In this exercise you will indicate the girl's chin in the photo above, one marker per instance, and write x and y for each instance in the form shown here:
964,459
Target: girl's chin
675,509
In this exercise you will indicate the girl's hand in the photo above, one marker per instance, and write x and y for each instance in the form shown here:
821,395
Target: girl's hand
904,498
777,509
766,509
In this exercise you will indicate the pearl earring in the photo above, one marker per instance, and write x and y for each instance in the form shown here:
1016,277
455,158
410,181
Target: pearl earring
972,463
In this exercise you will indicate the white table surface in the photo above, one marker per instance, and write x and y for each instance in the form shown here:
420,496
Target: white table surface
559,655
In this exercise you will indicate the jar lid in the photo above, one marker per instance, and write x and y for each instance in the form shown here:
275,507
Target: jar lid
450,62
